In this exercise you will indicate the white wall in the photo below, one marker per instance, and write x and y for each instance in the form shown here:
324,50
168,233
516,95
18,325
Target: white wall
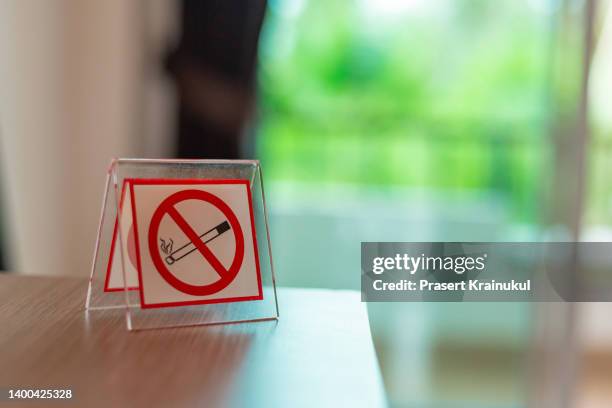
71,80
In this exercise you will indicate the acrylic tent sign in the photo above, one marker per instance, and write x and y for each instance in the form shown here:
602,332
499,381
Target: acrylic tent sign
183,242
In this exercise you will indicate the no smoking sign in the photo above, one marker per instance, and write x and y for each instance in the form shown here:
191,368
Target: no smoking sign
195,242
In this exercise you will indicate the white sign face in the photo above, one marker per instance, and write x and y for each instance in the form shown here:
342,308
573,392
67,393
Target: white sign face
195,242
114,276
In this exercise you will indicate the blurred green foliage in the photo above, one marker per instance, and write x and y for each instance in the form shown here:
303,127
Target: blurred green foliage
443,95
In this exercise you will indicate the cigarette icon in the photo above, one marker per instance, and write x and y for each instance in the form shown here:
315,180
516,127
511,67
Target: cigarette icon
189,247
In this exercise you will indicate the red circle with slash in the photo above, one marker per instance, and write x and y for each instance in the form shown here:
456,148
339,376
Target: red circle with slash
167,207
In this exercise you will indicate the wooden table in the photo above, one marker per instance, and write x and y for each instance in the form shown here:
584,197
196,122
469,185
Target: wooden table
318,354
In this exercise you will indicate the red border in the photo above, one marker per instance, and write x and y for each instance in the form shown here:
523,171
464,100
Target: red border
112,250
159,181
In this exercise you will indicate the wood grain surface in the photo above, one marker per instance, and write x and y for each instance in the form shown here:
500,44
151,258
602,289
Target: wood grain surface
318,354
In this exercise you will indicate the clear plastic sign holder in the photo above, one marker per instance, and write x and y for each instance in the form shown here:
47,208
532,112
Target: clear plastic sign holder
113,284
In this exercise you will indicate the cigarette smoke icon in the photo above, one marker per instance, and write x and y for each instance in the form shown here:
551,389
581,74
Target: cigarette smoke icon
189,247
